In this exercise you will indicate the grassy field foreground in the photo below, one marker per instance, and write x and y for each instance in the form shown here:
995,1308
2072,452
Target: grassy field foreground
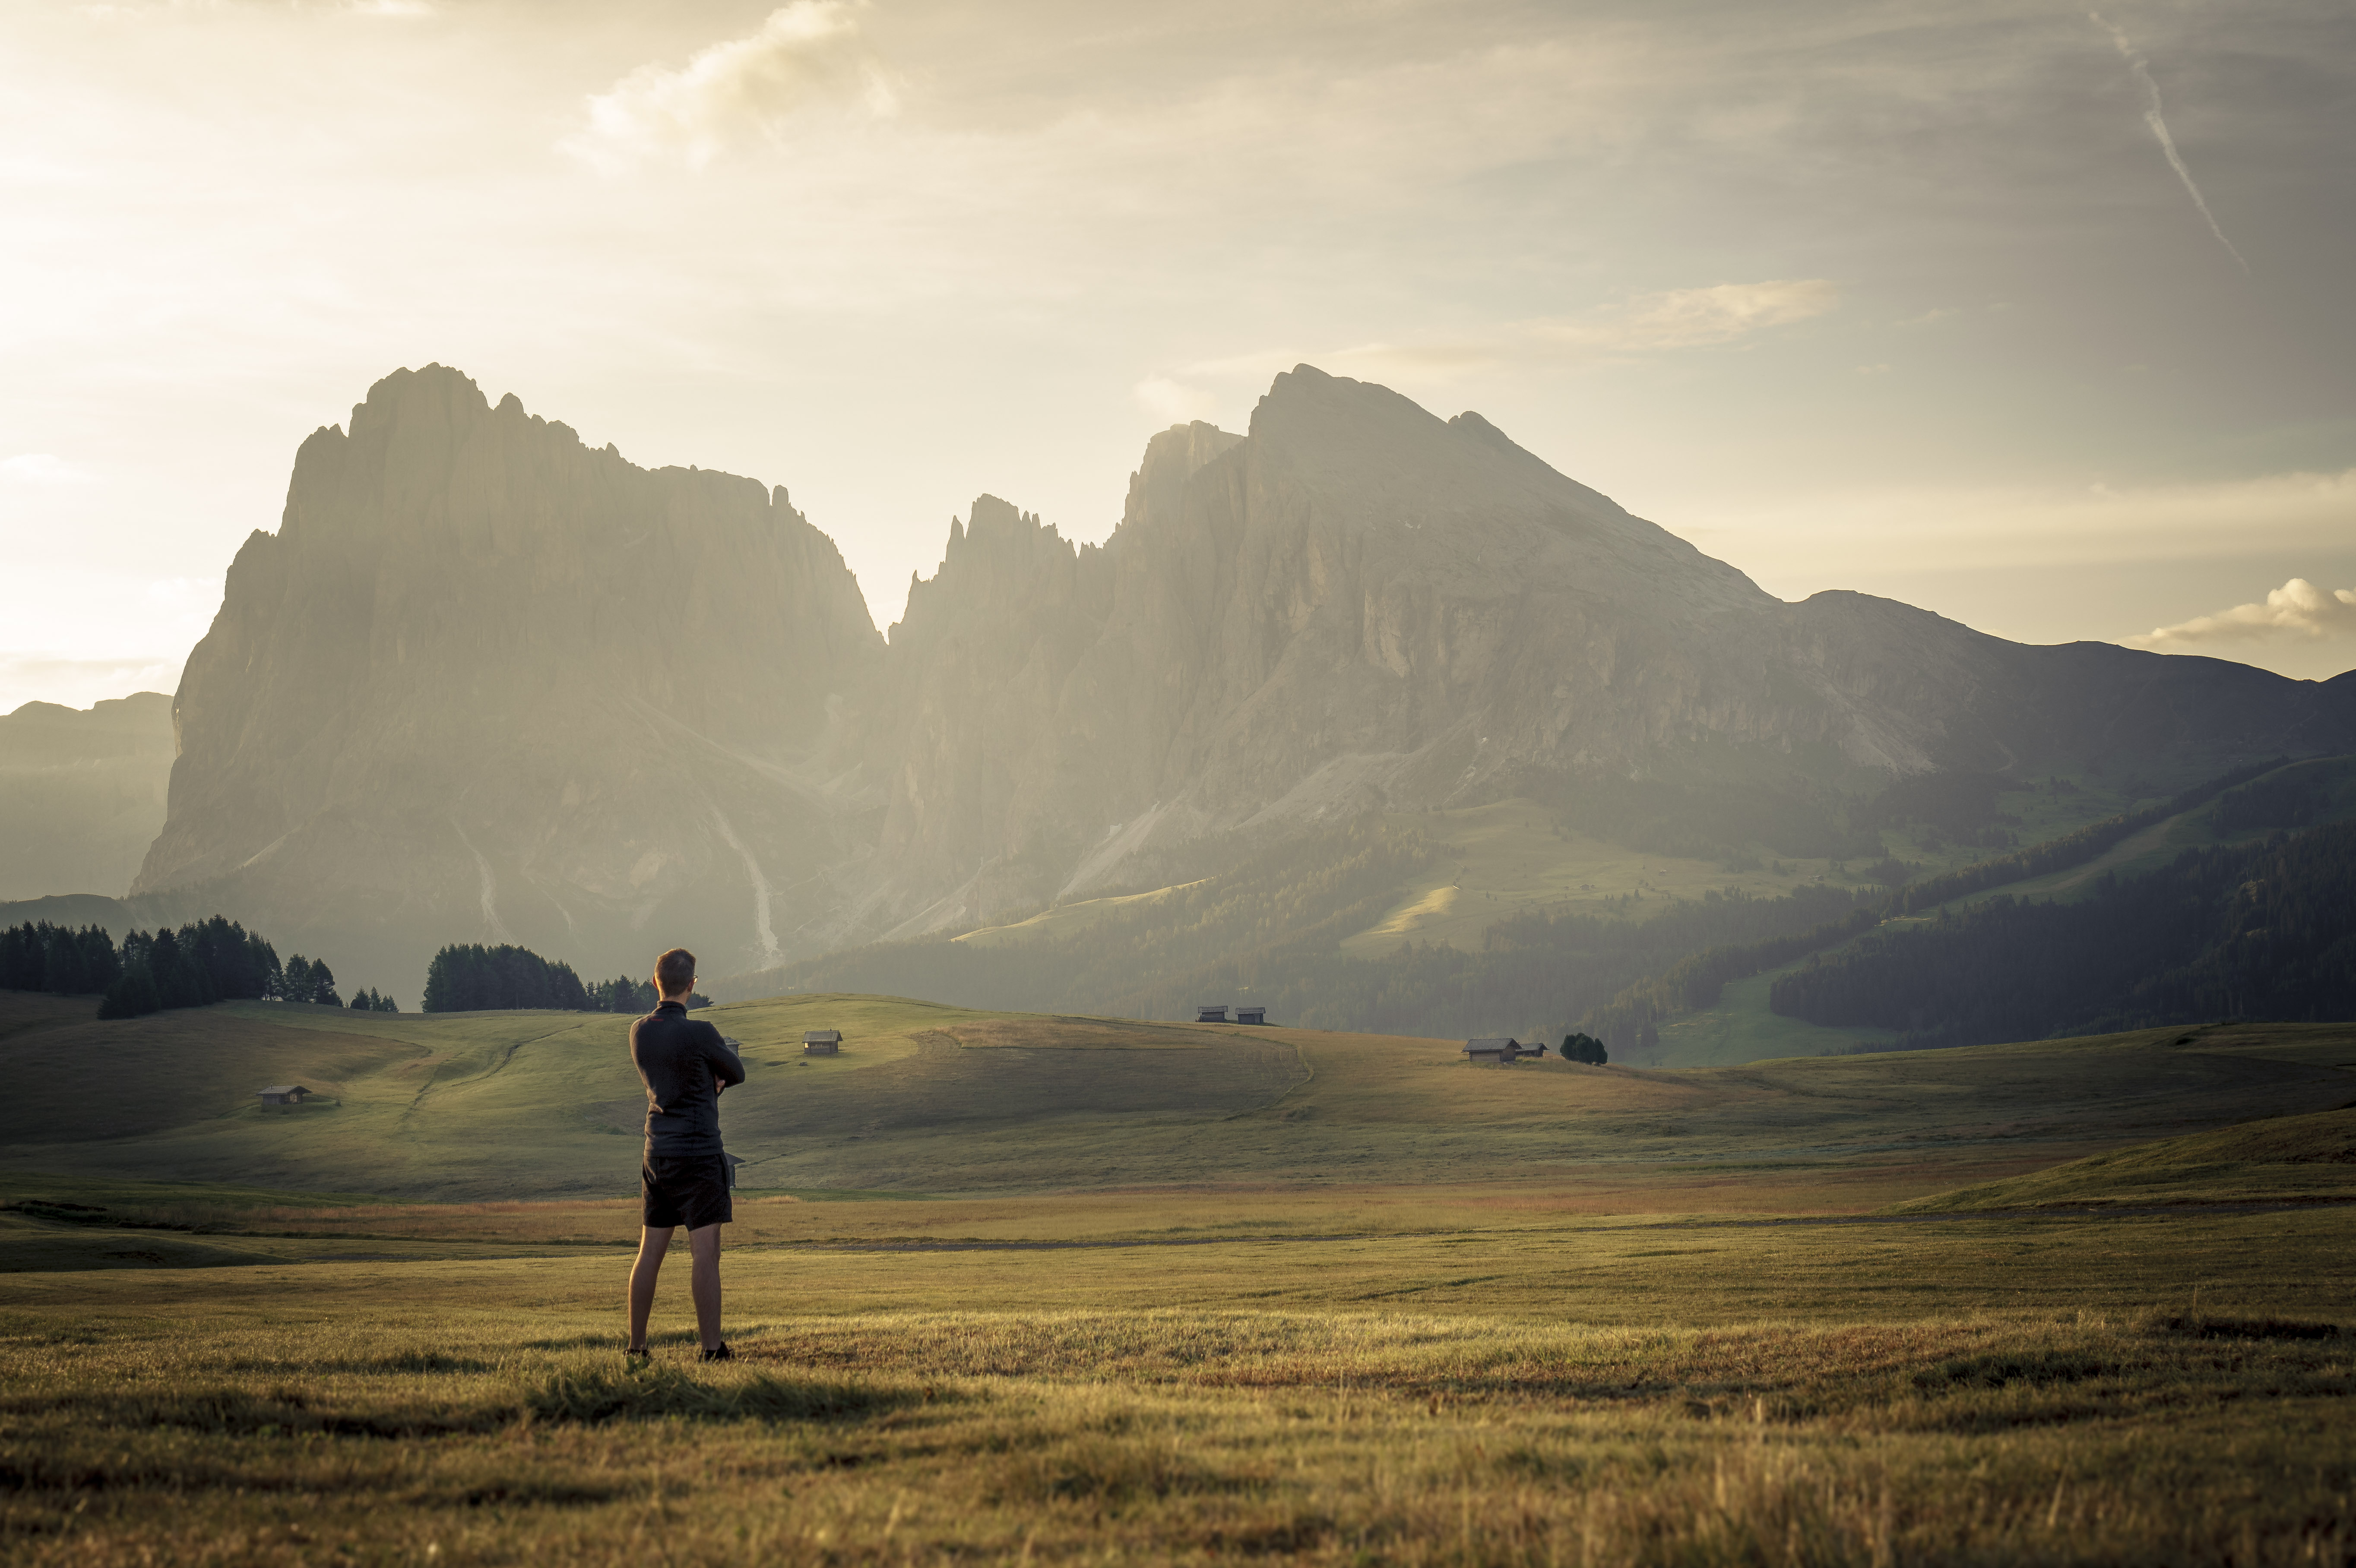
2122,1388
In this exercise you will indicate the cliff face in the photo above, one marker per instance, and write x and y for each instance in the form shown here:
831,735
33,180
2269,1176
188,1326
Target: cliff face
1362,605
486,683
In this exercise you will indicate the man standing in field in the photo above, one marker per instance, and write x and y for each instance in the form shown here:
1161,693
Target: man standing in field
685,1181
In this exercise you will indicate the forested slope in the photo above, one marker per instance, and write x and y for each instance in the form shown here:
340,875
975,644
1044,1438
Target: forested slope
2257,932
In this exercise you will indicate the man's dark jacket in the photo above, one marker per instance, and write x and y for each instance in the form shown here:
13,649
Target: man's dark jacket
678,1059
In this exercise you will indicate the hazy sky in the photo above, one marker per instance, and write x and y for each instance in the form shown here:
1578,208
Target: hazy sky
2034,317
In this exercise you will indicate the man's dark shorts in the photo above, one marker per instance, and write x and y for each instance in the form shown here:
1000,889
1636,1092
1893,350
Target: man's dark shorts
692,1190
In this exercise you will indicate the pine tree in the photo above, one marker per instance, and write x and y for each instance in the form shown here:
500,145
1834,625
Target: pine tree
62,966
293,980
133,994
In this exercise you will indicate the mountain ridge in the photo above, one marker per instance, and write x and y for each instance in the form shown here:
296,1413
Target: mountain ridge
450,699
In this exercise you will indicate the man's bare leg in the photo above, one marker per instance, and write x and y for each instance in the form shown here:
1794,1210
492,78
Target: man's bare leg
652,1245
703,1283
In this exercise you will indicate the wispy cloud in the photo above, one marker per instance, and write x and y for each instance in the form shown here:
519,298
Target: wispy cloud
2159,123
1815,536
78,682
806,54
41,468
2297,609
1664,322
1691,318
1173,400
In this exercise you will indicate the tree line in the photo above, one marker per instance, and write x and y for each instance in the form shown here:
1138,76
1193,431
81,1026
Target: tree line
2295,798
206,961
2265,931
2070,849
218,960
468,977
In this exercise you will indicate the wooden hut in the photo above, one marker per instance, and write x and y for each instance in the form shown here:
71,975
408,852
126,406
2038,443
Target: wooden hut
1208,1014
1499,1051
822,1042
733,1163
1251,1015
284,1095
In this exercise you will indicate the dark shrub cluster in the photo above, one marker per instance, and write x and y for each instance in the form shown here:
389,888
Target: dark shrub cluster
1585,1048
203,962
623,995
471,977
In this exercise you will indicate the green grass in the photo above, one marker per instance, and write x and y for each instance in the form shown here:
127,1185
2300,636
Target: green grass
926,1099
2287,1159
1511,855
1067,920
1742,1028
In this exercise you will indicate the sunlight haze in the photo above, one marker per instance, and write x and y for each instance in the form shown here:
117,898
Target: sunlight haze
2030,317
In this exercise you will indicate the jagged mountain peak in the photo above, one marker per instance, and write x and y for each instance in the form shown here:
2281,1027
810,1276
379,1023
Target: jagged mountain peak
488,682
1460,500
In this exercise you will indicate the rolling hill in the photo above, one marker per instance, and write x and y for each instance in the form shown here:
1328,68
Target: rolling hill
934,1099
2281,1159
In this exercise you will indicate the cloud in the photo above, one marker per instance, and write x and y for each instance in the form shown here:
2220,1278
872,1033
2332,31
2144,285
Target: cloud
805,54
41,468
2152,117
1977,527
1692,318
1173,400
1663,322
78,682
2297,609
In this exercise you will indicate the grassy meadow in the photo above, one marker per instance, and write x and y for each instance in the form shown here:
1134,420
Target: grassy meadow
1546,1389
1025,1289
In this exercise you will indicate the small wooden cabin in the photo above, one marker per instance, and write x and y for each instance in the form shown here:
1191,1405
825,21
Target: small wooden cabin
822,1042
733,1163
1207,1014
284,1095
1499,1051
1251,1015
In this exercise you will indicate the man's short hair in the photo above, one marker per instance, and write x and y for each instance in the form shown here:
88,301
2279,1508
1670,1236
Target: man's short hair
675,971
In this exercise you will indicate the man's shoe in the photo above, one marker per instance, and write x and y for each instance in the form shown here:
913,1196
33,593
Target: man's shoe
639,1352
721,1353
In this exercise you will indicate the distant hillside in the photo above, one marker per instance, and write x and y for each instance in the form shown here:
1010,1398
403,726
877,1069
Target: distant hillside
1268,932
81,794
2260,931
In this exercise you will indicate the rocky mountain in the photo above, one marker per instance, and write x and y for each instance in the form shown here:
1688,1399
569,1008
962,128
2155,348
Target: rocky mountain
485,683
81,794
1360,605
